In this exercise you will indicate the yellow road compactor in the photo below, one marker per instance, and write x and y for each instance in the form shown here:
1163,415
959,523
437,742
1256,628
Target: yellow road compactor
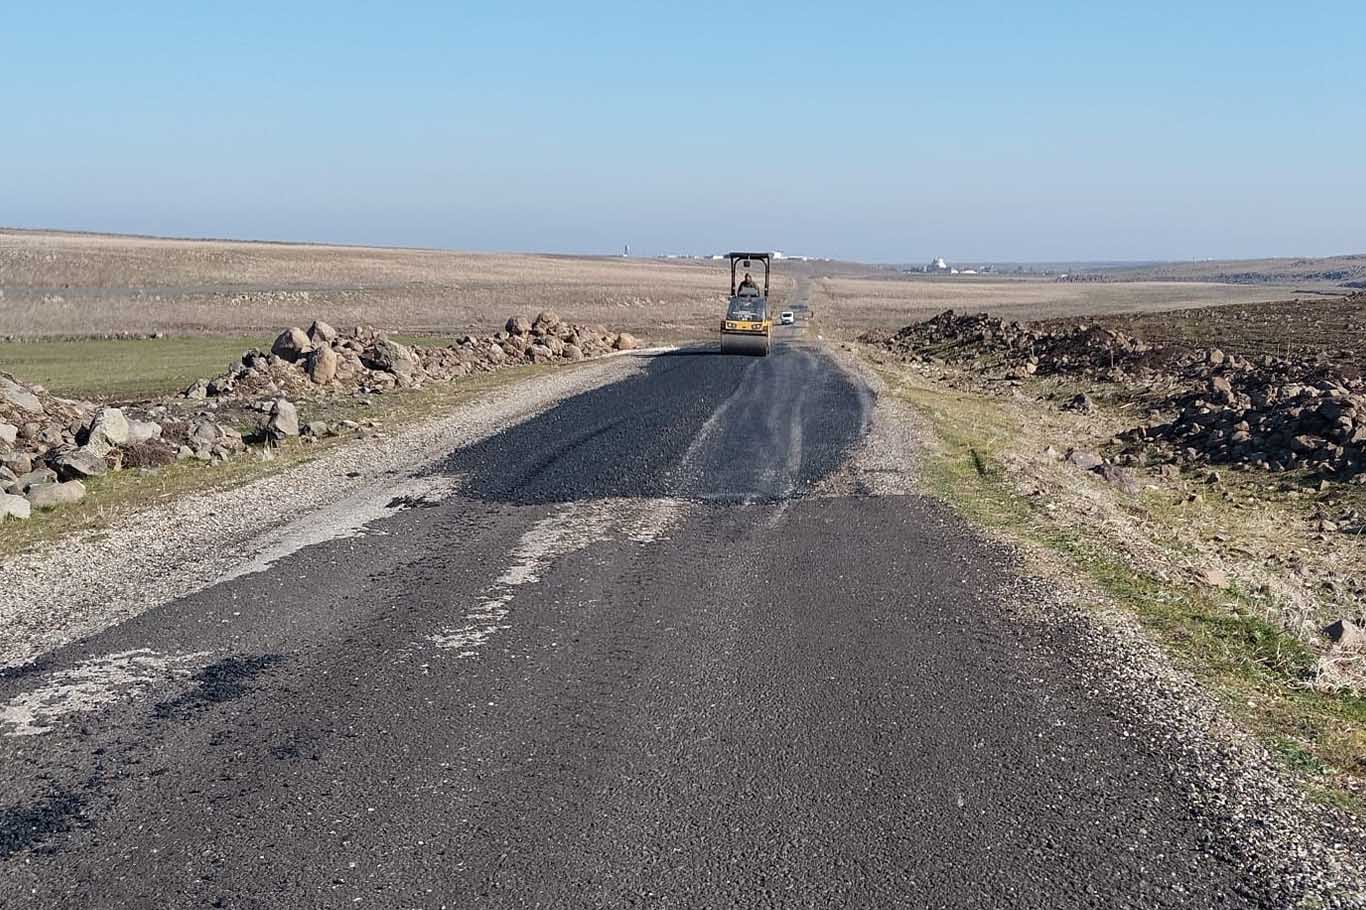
747,328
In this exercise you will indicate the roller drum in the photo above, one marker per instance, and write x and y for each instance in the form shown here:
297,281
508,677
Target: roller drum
753,345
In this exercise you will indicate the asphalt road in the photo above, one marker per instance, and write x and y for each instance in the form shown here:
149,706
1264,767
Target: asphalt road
634,661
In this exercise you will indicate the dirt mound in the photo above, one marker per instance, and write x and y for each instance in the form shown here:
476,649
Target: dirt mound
1274,413
980,340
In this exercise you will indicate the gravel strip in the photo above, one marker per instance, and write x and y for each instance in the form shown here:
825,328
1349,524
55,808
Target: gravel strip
80,585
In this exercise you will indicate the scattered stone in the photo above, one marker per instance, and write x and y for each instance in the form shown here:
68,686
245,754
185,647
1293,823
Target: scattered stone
53,495
320,333
198,390
80,463
1346,635
283,422
110,429
322,365
16,507
1087,461
20,397
391,357
317,429
9,434
1081,403
1214,578
35,477
140,431
1123,479
292,344
626,342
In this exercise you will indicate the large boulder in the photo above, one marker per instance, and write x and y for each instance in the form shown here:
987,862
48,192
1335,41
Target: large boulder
80,463
573,353
518,325
284,420
626,342
391,357
52,495
18,462
292,344
546,321
8,434
322,364
140,431
321,333
12,506
33,478
108,430
19,396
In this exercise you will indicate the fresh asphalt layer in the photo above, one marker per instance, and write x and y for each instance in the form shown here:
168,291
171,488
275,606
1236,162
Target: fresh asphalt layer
634,660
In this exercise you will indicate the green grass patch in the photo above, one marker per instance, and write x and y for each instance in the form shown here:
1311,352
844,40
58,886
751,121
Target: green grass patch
1260,672
123,369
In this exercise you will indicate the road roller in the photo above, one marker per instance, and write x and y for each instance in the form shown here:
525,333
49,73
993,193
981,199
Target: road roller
747,328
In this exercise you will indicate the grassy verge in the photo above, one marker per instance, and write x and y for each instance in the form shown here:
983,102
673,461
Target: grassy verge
1259,671
116,495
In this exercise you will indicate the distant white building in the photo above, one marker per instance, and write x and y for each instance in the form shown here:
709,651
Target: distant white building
939,265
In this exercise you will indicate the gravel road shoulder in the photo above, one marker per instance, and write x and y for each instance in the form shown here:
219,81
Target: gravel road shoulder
79,585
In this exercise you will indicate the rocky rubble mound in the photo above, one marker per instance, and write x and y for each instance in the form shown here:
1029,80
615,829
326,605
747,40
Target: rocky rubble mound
1252,419
49,446
1274,413
975,338
302,362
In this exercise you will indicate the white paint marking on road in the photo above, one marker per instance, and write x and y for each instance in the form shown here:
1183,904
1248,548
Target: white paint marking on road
92,684
346,518
574,527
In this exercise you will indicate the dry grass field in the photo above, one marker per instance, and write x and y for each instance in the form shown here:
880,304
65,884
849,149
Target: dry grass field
1325,273
89,285
56,284
1334,327
854,303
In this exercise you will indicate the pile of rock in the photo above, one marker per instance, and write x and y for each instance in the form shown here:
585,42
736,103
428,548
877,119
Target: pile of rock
1274,413
302,362
49,446
1251,420
975,338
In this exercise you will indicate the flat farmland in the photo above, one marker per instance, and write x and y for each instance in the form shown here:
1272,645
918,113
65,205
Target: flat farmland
856,303
60,285
57,284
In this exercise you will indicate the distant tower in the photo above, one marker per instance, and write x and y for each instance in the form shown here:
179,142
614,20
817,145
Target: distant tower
626,251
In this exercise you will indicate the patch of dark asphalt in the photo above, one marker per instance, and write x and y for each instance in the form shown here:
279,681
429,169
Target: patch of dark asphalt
31,668
693,425
220,681
27,827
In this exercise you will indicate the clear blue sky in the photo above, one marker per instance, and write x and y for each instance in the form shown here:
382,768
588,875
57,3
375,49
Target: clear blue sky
881,131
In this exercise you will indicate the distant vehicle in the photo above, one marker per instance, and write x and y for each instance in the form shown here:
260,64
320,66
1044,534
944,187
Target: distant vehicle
747,326
787,317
